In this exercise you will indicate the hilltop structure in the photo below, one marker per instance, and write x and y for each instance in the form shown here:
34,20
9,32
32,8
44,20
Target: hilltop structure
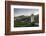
32,18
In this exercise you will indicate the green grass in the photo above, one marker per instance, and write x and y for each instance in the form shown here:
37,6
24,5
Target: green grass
24,24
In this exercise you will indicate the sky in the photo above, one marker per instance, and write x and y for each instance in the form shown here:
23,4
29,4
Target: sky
25,12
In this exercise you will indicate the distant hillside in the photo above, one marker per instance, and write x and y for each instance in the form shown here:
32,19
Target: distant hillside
22,16
27,18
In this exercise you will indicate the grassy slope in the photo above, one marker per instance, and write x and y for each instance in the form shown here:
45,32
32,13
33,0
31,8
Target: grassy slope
24,24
